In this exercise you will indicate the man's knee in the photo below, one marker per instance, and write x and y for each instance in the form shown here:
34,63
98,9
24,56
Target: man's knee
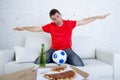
77,61
74,59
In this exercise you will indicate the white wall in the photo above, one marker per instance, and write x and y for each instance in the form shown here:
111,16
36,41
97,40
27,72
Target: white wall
35,12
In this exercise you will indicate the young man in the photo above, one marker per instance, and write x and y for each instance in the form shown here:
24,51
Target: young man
61,32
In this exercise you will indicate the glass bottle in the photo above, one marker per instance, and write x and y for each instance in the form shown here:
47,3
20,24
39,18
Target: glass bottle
42,56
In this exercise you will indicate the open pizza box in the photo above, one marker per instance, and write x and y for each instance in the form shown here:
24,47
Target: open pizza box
81,75
30,73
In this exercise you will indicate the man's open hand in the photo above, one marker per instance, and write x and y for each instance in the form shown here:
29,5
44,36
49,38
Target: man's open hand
103,16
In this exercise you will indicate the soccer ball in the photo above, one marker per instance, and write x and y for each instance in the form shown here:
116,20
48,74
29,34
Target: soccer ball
59,56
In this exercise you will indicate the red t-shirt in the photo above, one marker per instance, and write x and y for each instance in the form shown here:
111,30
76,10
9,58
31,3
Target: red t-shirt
61,35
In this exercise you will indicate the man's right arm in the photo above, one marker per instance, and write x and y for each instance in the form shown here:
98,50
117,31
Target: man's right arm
31,29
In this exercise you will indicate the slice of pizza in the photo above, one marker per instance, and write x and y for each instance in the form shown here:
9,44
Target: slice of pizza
67,75
58,69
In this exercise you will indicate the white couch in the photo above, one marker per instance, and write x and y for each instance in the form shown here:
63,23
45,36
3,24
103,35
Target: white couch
100,64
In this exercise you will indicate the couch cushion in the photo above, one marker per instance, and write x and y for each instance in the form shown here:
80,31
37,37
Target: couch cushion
83,46
25,54
97,69
35,40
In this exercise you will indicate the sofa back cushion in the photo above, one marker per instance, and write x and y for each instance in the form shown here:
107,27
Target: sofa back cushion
35,40
82,45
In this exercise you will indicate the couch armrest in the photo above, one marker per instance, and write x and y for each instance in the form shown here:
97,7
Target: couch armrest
110,58
5,56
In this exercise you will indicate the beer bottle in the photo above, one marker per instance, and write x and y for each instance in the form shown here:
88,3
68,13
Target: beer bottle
42,56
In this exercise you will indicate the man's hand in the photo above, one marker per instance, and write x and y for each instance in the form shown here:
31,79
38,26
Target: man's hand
103,16
19,28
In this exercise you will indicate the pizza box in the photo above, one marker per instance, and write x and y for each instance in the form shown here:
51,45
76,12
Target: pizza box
41,71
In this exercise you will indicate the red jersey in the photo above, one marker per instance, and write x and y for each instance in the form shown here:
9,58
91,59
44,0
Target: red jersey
61,35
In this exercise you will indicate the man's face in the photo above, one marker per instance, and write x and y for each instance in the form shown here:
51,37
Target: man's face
57,18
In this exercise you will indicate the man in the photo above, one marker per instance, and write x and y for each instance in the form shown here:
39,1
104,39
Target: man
61,32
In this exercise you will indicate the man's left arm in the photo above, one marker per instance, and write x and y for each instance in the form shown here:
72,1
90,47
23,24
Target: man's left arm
90,19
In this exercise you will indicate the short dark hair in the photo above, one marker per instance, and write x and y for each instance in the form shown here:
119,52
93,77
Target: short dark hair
53,11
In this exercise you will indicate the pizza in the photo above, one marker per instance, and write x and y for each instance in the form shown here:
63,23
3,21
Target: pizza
58,69
66,75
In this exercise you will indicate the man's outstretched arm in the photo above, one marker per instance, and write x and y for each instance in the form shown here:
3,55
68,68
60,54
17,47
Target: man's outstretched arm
90,19
31,29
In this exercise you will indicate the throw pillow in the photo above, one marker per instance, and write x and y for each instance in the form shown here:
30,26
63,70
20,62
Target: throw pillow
25,54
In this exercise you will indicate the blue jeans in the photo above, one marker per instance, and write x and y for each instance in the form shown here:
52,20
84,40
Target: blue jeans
72,57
